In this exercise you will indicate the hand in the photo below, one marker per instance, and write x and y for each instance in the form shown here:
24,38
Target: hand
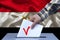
35,19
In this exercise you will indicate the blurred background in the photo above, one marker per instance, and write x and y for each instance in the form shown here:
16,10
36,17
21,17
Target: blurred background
14,19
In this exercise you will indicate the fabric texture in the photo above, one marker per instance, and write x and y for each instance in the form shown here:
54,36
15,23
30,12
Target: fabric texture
50,8
22,5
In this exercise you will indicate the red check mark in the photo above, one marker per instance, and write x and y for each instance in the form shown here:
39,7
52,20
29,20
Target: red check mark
26,31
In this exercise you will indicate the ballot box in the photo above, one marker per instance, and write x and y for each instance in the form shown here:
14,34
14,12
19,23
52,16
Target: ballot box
44,36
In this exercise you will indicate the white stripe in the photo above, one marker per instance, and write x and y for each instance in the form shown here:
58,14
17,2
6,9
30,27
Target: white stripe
54,1
49,23
48,7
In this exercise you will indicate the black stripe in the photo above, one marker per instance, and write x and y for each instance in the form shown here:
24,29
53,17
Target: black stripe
45,9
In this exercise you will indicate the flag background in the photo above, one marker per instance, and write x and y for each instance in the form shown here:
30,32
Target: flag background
22,5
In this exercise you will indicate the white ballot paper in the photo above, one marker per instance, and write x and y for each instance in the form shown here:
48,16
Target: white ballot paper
26,31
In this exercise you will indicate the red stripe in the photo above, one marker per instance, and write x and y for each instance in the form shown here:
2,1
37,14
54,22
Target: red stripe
24,5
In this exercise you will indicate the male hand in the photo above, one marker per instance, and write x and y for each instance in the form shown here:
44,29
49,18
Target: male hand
35,19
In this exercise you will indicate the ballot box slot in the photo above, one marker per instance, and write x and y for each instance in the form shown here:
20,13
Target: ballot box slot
32,37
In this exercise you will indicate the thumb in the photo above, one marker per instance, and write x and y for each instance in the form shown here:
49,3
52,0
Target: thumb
34,23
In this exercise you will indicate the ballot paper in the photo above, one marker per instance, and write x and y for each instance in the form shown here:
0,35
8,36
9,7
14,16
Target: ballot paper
26,31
